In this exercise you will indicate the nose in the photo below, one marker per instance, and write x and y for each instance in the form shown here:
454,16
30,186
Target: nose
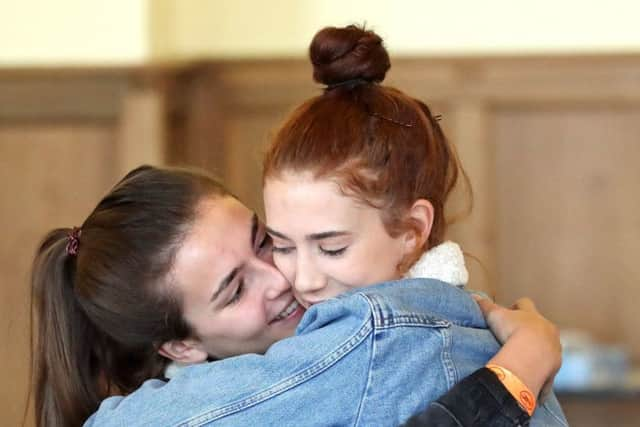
308,279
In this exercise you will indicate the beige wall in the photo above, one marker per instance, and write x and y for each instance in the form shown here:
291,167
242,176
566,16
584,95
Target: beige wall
284,27
45,32
40,32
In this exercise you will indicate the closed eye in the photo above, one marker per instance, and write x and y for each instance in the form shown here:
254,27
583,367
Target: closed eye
279,245
333,252
282,249
237,293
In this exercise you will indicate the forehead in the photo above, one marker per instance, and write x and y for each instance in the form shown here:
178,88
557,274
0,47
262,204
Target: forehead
216,244
310,200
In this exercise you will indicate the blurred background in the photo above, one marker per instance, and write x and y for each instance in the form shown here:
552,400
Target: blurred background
541,98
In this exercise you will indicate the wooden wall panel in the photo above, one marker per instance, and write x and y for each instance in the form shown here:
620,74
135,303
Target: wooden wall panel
221,117
66,136
141,130
475,208
244,164
568,216
51,177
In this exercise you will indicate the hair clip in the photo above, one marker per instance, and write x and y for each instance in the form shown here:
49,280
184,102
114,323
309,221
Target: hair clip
73,241
407,125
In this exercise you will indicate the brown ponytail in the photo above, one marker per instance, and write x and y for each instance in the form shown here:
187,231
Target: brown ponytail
66,388
103,310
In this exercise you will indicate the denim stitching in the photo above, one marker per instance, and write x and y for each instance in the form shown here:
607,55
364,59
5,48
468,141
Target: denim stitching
286,384
447,360
383,320
369,380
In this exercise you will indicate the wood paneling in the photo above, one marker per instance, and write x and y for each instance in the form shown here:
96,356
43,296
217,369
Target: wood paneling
51,177
569,215
65,138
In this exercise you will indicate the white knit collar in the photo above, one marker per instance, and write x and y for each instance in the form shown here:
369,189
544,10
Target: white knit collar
444,262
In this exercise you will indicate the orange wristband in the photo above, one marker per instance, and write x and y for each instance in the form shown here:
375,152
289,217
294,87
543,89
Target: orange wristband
516,387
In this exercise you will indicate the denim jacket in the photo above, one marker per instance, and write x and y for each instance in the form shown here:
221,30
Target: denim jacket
371,357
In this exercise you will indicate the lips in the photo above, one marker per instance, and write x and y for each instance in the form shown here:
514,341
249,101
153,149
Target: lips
293,306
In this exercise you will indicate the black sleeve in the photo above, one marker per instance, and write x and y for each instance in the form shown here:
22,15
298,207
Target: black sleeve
478,400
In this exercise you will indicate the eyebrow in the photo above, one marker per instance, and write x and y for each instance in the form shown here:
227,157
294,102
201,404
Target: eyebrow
224,283
314,236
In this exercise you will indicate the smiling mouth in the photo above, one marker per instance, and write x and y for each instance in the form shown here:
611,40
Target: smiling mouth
287,311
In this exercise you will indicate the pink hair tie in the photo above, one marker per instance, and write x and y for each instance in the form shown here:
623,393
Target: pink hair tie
73,241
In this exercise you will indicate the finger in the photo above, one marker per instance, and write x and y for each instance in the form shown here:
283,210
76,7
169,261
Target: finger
486,305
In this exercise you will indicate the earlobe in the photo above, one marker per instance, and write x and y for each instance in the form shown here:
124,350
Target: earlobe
421,217
183,351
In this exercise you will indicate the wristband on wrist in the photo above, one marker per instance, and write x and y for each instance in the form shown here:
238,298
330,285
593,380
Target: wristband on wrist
516,387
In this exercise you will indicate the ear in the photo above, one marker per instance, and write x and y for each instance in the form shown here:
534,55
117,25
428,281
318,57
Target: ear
183,351
421,217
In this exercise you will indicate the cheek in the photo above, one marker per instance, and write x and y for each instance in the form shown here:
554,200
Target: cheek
250,319
210,332
240,323
350,271
386,262
376,262
249,328
238,335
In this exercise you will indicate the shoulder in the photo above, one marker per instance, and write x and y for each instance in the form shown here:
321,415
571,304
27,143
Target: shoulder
430,299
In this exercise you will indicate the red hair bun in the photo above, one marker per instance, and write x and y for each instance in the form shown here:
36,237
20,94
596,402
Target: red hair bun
348,53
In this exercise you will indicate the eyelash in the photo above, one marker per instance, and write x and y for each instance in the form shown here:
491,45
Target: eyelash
237,294
334,253
284,251
331,253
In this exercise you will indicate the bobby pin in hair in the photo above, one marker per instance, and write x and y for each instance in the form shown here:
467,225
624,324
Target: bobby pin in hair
407,125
